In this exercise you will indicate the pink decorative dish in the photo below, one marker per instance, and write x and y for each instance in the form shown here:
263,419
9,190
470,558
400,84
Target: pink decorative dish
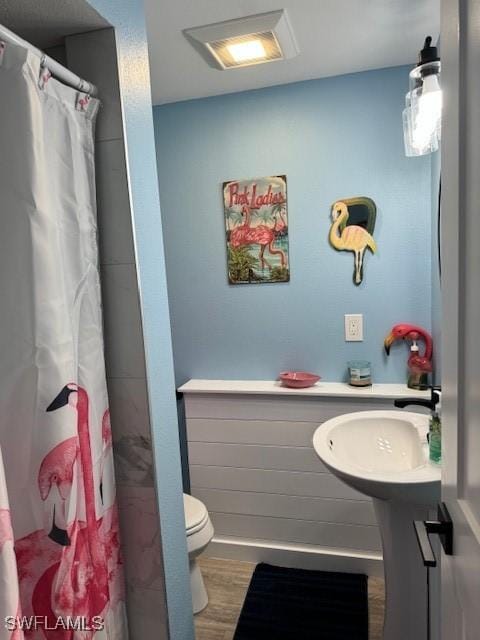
298,379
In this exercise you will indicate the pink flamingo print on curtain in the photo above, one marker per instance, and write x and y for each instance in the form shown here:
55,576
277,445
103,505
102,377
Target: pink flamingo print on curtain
57,469
9,599
80,574
7,565
6,533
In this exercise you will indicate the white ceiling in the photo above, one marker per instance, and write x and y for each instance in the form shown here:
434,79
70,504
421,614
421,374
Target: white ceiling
334,36
46,22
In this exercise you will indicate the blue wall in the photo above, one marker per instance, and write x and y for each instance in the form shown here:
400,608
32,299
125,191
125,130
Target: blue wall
128,19
334,138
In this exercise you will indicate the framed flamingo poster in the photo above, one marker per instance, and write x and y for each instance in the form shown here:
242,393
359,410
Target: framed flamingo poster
256,220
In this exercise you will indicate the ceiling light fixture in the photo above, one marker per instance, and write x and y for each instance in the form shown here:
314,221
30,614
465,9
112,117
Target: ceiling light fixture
422,115
245,41
247,51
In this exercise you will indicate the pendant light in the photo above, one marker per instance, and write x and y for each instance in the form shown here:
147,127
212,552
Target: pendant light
423,104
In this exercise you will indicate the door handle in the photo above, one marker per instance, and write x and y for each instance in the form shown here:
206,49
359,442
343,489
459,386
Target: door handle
443,527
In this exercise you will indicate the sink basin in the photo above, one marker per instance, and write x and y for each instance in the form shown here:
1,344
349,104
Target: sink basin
384,454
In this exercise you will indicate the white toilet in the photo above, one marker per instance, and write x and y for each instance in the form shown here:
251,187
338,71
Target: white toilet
199,533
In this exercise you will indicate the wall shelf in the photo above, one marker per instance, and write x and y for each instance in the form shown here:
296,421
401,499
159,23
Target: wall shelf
321,389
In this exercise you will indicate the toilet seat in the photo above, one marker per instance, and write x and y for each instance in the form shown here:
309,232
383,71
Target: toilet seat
199,530
196,514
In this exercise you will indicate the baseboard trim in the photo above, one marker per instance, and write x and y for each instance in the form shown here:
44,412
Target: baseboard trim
296,555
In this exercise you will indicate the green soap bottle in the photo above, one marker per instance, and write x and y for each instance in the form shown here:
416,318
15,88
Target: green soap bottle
435,438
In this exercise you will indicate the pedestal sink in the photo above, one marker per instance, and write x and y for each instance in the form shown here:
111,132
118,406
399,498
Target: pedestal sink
384,454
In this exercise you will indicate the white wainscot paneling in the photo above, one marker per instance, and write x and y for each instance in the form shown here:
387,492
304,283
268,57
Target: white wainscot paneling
295,409
251,456
287,507
290,483
297,531
235,431
269,496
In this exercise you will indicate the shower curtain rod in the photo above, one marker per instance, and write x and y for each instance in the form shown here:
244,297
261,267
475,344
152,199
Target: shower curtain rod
56,69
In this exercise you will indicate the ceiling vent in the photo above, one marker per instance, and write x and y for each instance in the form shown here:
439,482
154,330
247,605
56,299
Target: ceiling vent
243,42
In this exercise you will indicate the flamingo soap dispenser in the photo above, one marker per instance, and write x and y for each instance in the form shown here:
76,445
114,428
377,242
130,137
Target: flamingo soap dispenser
419,366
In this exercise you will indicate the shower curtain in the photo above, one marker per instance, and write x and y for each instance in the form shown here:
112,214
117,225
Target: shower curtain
65,580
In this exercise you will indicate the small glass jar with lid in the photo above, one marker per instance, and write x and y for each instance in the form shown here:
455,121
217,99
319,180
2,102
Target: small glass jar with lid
359,373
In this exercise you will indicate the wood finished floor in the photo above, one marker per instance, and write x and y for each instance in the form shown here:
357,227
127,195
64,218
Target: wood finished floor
227,583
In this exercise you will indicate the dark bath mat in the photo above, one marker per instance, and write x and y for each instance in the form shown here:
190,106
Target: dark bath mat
299,604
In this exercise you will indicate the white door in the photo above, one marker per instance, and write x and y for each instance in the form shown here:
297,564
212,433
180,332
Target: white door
460,50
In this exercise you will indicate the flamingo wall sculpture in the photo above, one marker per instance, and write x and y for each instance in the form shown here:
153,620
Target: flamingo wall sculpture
419,366
351,237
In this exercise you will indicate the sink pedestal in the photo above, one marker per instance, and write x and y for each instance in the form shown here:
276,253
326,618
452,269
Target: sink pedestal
405,576
384,454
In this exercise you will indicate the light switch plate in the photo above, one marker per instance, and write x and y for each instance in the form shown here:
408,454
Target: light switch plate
353,327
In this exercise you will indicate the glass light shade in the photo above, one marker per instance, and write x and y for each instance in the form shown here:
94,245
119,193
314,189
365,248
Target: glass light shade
410,149
423,112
